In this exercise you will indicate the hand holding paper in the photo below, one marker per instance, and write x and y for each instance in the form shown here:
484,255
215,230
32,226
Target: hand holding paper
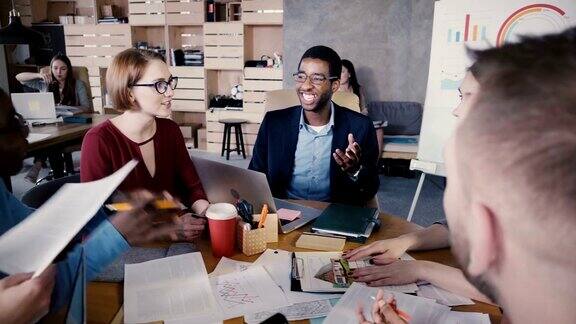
24,299
32,245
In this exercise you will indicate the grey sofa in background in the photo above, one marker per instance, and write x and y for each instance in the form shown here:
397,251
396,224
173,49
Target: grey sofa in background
404,117
401,136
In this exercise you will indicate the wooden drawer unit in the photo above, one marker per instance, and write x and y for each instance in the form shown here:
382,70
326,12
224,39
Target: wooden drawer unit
96,45
257,81
183,12
262,12
190,95
146,12
224,46
214,129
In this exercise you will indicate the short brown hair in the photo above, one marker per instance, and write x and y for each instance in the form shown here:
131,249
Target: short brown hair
522,132
125,70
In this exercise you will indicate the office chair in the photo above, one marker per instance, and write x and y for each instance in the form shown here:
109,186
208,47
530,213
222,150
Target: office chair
38,195
346,99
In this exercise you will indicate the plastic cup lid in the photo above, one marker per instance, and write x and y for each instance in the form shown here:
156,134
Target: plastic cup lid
221,211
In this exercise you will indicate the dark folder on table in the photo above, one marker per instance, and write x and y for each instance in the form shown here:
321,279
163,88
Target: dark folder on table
355,223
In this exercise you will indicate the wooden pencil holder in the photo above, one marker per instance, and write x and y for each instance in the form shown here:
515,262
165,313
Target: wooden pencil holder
252,241
270,226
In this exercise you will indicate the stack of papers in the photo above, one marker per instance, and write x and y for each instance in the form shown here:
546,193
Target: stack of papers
248,291
172,288
259,290
278,263
226,266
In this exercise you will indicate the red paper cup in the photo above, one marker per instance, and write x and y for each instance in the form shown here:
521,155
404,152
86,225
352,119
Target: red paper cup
222,219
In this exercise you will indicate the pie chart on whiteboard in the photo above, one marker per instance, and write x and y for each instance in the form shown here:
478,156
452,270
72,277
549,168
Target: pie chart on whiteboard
536,19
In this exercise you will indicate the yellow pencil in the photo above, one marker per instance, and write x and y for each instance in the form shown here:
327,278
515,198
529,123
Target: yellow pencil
158,204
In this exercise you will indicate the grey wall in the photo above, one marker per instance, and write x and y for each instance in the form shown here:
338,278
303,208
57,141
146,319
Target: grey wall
387,40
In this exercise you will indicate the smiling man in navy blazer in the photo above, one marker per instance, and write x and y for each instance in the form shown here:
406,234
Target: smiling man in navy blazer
318,150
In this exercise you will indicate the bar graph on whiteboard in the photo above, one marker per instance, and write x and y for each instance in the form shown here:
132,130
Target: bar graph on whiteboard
471,31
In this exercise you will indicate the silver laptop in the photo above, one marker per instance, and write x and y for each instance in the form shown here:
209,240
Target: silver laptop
35,106
218,179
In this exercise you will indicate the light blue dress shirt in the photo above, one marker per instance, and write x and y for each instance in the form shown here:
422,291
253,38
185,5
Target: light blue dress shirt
103,246
311,175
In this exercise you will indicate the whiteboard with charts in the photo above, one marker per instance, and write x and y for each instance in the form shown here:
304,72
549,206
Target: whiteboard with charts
475,24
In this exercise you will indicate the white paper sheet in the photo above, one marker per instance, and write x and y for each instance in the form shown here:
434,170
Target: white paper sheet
278,263
32,245
421,310
170,288
442,296
309,264
465,318
226,266
294,312
249,291
35,137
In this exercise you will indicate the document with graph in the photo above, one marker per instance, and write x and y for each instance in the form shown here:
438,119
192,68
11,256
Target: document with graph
245,292
172,288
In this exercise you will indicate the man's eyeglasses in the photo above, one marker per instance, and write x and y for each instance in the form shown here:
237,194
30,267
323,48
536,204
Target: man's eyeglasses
317,79
160,86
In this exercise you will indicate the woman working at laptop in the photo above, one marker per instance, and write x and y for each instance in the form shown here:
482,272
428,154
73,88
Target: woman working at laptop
68,91
141,87
59,80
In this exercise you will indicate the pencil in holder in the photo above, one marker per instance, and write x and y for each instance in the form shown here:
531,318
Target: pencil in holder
251,241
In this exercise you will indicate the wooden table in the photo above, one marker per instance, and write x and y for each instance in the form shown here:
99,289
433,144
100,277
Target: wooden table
61,134
105,299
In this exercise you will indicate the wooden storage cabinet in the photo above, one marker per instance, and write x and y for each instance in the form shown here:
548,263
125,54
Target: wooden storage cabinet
257,81
262,12
185,12
95,45
224,46
190,95
146,13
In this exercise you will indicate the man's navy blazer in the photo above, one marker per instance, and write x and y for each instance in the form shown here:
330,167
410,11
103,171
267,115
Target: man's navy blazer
275,149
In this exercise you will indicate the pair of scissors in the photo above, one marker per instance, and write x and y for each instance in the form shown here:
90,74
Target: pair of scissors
244,208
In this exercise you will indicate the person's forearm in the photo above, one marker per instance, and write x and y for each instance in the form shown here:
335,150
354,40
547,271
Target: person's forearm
27,76
449,278
432,237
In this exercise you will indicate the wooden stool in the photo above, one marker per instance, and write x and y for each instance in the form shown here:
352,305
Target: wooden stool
237,125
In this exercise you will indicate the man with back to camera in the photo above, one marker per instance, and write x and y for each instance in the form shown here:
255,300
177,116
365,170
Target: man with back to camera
318,150
24,299
511,195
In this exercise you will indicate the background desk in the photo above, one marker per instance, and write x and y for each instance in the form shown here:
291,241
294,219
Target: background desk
105,299
61,135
